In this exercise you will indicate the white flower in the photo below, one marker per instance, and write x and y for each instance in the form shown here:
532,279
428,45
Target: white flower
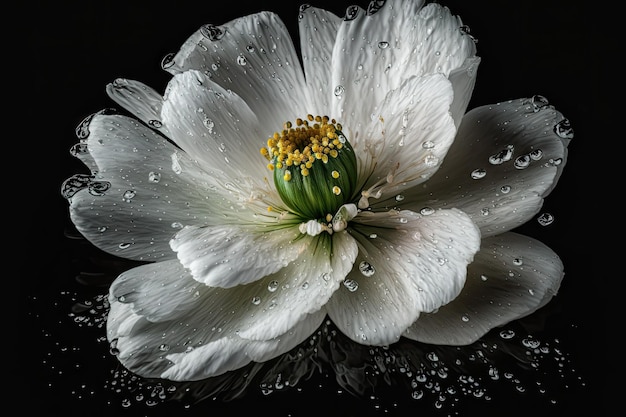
390,213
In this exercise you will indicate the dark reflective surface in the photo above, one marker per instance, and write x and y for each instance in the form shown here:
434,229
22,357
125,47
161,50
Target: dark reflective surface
547,363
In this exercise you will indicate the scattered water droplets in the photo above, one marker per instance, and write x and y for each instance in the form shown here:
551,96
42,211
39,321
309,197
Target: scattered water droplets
545,219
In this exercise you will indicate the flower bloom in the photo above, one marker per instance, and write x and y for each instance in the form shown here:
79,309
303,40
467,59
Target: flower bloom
375,200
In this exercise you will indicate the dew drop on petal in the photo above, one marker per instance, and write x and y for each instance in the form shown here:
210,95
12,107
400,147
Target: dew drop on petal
564,130
256,300
128,195
536,154
518,261
351,284
272,286
429,144
366,269
427,211
545,219
383,44
431,160
155,123
241,60
339,90
399,197
154,177
522,162
505,189
373,235
478,173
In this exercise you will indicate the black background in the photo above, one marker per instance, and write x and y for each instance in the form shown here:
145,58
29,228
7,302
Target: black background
73,49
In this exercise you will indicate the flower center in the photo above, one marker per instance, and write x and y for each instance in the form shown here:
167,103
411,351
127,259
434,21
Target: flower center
314,166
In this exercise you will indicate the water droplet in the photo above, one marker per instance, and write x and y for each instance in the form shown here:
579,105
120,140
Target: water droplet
241,60
79,149
272,286
502,156
209,124
383,44
431,160
507,334
256,300
366,269
399,197
545,219
427,211
518,261
538,102
351,12
484,211
177,225
98,188
478,173
326,276
351,284
212,32
168,61
429,144
522,162
531,343
339,90
154,177
164,347
564,130
373,235
536,154
124,245
505,189
305,285
128,195
484,277
155,123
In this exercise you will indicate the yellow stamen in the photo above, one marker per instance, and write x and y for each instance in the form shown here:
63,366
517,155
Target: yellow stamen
303,144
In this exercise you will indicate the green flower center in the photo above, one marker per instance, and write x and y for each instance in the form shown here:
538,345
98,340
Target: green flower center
314,166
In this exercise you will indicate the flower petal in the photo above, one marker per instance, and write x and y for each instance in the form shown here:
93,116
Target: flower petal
407,264
318,31
160,349
254,57
506,158
158,291
376,52
214,126
463,80
230,353
512,276
225,256
301,288
137,198
406,143
140,100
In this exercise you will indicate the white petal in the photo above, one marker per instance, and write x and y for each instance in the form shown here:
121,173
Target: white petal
135,202
318,31
225,256
140,100
410,136
407,264
158,291
512,276
253,56
301,288
463,80
214,126
499,195
230,353
376,53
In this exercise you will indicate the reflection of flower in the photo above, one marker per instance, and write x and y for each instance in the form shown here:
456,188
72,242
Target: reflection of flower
392,216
